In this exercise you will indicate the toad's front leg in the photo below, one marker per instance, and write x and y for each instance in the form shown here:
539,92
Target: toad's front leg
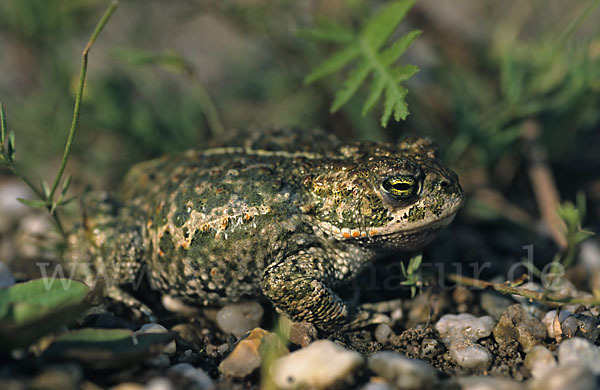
299,286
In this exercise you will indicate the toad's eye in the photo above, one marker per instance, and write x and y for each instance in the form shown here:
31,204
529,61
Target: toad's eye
400,187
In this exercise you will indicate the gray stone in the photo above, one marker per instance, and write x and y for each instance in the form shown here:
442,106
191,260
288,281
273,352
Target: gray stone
539,361
200,378
571,376
464,326
470,355
517,324
494,303
239,318
383,333
322,364
579,351
487,383
402,372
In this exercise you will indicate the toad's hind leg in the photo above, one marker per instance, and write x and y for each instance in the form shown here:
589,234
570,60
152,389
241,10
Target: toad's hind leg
299,287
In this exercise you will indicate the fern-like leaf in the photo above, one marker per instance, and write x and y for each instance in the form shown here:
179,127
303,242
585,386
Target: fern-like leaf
373,59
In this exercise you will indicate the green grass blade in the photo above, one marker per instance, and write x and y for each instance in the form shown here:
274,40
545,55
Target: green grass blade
10,148
2,125
351,85
333,63
385,21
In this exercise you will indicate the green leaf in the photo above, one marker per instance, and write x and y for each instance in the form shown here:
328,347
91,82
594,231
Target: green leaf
384,22
391,54
394,103
35,203
10,150
333,63
371,59
45,188
356,78
2,125
66,184
32,309
376,89
102,349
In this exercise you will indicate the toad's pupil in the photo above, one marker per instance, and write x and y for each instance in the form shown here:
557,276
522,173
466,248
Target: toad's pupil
401,186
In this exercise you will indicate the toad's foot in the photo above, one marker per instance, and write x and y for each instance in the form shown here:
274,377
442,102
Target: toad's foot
298,287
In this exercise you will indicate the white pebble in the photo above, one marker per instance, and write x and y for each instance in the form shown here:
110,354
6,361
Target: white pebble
321,365
470,355
196,375
580,351
239,318
464,326
540,361
159,384
570,376
402,372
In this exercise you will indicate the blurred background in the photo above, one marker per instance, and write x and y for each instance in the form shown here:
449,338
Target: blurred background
503,85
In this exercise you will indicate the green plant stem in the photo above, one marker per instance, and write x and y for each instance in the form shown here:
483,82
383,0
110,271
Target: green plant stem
552,300
210,111
78,97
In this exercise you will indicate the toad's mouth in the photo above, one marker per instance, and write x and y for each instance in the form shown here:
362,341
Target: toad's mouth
389,233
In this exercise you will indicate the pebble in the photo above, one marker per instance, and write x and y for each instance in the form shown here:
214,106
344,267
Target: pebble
383,333
6,277
246,356
128,386
402,372
59,376
239,318
464,326
430,348
159,384
322,364
517,324
377,383
302,333
581,325
569,376
196,375
470,355
477,382
579,351
539,361
548,321
494,303
170,348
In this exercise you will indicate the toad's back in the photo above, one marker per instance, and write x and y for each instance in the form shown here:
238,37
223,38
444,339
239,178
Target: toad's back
214,218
